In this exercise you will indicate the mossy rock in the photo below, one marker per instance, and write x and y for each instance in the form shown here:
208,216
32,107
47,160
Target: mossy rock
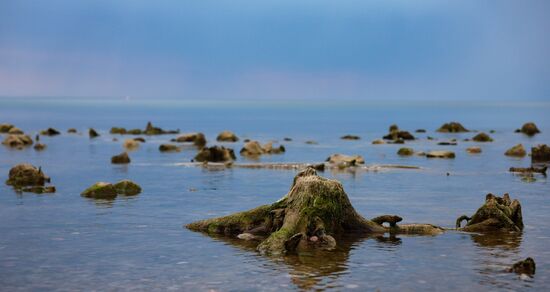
440,154
93,133
516,151
405,151
15,131
26,175
452,127
482,137
196,138
169,148
17,141
100,190
117,130
135,132
540,153
127,188
5,128
50,132
530,129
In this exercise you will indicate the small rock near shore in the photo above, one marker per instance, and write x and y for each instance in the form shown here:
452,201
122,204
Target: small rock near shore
482,137
122,158
440,154
516,151
127,188
100,190
227,136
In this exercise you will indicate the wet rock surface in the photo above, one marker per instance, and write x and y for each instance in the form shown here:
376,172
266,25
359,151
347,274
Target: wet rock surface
28,178
215,154
405,151
5,128
346,160
254,148
474,150
169,148
395,134
440,154
93,133
526,266
127,188
529,129
197,139
50,132
350,137
497,214
17,141
130,144
109,191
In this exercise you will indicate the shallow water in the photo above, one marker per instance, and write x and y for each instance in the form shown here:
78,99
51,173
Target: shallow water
62,241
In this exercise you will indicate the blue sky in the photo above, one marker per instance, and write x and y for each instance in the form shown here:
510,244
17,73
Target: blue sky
367,50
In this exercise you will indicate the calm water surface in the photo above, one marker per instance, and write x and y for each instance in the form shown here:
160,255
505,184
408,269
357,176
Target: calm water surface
65,242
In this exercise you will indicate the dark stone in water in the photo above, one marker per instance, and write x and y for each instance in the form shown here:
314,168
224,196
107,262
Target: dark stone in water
527,266
227,136
122,158
529,129
215,154
452,127
482,137
350,137
540,153
497,214
50,132
196,138
93,133
27,178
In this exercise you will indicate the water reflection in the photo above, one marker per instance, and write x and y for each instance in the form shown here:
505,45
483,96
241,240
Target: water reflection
317,269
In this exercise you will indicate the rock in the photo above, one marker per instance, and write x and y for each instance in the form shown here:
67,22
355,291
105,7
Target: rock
269,149
473,150
122,158
287,139
39,146
5,128
398,141
527,267
93,133
540,153
311,142
127,188
130,144
15,131
314,212
440,154
420,131
227,136
497,214
117,130
252,148
482,137
378,142
516,151
215,154
196,138
529,129
350,137
139,139
17,141
100,190
134,132
50,132
24,175
346,159
151,130
391,219
541,170
396,134
452,127
405,151
169,148
71,131
447,143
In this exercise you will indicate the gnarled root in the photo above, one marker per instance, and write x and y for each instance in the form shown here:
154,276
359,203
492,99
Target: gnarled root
497,214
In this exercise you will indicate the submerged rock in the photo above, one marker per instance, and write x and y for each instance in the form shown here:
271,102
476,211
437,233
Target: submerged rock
541,170
215,154
100,190
447,143
17,141
122,158
540,153
169,148
440,154
482,137
196,138
130,144
27,178
378,142
473,150
497,214
127,188
452,127
315,211
5,128
139,139
527,267
227,136
405,151
39,146
50,132
71,131
345,159
15,131
420,131
516,151
529,129
93,133
151,130
350,137
269,149
311,142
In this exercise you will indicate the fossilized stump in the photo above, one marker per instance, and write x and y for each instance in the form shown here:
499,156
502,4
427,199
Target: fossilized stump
497,214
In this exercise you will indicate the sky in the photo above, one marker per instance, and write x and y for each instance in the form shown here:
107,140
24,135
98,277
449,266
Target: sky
235,49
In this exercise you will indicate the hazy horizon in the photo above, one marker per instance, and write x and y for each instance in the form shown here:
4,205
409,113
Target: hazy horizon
241,50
